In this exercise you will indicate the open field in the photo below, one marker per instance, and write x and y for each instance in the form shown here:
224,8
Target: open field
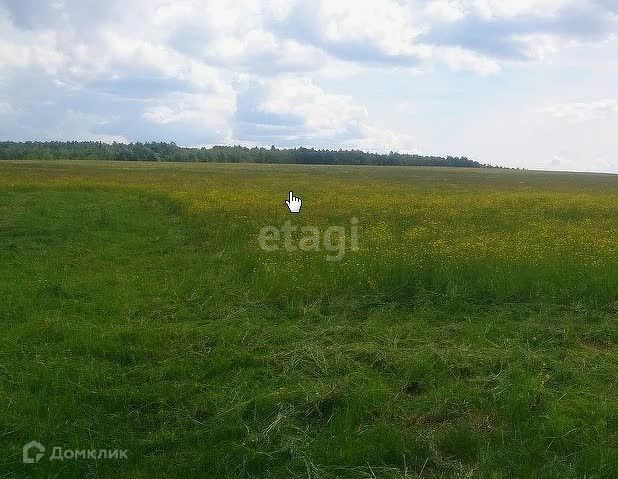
472,334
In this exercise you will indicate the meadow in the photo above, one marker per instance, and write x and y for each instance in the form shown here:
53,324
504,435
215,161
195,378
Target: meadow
472,333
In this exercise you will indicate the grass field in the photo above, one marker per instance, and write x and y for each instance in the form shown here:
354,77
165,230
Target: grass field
472,334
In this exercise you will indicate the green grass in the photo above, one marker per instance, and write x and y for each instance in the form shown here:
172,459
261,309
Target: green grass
473,334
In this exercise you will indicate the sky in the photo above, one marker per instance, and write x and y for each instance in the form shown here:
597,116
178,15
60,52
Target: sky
519,83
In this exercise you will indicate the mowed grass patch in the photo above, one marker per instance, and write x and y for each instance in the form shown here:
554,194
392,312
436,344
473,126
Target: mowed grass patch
472,335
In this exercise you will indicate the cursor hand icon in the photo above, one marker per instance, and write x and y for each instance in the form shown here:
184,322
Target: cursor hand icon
294,203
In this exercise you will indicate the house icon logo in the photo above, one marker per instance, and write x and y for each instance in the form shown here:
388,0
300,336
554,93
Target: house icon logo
29,456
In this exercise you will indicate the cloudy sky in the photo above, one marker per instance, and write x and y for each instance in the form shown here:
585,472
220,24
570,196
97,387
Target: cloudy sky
524,83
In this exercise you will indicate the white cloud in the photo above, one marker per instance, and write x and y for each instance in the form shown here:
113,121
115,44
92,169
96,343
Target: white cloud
5,108
320,119
584,111
565,162
321,113
262,51
383,140
461,59
388,26
514,8
444,10
541,46
19,49
387,33
212,112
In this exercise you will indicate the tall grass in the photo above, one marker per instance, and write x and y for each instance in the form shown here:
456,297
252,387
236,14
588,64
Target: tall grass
473,334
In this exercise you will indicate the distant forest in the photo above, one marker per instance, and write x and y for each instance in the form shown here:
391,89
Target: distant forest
156,151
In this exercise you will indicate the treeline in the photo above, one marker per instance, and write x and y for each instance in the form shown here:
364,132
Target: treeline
158,151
